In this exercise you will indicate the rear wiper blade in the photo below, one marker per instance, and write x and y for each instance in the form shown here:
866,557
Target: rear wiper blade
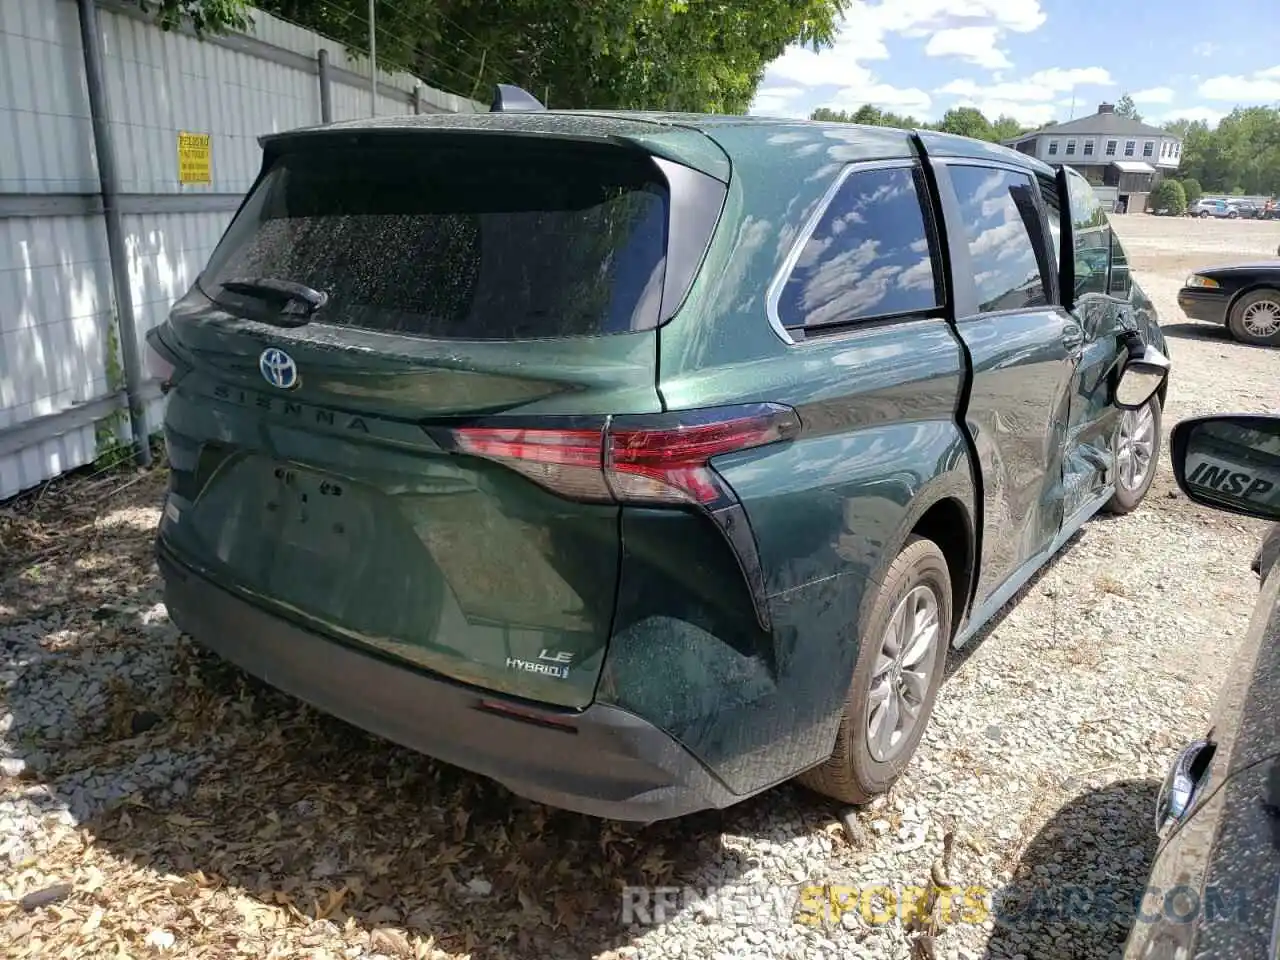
297,301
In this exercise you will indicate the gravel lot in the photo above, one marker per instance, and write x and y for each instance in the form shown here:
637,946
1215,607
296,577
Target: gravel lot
192,811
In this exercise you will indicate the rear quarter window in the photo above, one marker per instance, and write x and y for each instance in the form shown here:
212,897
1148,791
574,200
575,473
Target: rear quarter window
869,255
490,240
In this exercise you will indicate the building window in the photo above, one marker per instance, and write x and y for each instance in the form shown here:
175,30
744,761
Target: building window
1088,148
1177,150
1129,147
1149,149
1111,148
1071,148
1053,148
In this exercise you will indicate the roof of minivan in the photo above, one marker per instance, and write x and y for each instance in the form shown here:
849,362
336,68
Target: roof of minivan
731,133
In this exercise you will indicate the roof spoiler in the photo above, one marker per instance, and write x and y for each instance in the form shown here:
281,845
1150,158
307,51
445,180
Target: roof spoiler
508,98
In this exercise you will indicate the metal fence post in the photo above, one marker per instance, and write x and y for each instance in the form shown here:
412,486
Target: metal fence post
108,178
326,95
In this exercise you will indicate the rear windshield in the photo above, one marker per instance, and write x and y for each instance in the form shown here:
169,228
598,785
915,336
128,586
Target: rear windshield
498,239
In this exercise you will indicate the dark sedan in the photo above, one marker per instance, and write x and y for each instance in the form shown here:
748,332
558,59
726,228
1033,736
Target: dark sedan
1245,297
1214,885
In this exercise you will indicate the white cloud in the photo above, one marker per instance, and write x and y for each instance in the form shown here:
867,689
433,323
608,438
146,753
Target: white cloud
910,100
1030,114
1269,73
1209,115
1042,86
779,102
974,44
1032,100
1259,88
1153,95
862,36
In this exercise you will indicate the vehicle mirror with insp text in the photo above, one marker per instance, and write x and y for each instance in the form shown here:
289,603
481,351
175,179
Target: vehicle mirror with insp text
1230,462
1141,378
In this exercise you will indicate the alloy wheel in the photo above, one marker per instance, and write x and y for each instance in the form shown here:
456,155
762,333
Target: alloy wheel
1262,318
900,682
1137,443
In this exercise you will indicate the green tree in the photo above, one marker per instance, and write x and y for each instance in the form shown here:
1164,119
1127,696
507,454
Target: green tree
869,116
654,54
1006,128
212,16
966,122
1191,187
1127,108
1168,195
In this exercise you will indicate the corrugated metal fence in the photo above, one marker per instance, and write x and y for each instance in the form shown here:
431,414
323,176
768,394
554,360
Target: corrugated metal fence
60,379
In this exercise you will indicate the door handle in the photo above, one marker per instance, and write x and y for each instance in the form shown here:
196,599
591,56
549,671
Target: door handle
1072,337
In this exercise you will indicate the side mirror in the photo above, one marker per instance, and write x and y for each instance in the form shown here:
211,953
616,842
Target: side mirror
1230,462
1141,378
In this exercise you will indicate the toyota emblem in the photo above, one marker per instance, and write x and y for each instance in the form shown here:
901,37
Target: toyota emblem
278,368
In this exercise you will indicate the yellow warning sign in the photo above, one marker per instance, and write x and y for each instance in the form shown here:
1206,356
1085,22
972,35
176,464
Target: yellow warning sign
195,161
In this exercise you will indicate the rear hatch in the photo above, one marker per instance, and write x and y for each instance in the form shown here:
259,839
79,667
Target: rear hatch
356,373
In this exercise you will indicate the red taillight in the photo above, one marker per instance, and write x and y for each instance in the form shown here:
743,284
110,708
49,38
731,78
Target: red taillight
657,459
567,461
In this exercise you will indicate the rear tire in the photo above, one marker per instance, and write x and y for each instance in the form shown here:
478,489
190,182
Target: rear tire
869,755
1255,318
1137,437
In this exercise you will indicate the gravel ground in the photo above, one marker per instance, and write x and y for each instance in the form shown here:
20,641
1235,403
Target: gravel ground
160,801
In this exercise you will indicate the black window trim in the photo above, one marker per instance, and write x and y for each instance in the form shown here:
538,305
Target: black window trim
1052,291
788,334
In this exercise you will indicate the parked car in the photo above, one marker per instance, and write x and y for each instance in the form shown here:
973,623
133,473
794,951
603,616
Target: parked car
1213,884
1215,208
638,461
1244,297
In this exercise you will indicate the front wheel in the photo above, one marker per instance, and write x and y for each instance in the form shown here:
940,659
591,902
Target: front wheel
1137,447
902,652
1255,318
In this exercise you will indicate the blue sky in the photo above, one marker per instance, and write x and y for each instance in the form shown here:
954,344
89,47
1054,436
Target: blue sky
1027,58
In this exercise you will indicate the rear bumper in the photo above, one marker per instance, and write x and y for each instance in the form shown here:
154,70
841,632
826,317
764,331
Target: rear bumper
1209,306
609,763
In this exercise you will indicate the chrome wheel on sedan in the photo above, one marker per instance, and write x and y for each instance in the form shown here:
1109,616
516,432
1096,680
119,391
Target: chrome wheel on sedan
1262,318
1255,318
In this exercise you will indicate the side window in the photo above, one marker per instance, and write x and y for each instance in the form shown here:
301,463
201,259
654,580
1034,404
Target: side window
1129,146
1092,237
1148,148
1006,240
1071,148
1111,148
868,257
1088,148
1053,148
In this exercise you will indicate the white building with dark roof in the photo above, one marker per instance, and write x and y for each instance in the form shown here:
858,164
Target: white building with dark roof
1127,156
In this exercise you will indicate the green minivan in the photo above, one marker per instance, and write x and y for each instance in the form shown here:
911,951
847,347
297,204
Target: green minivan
639,461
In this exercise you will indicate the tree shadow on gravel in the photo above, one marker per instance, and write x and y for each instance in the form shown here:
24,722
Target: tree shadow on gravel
1076,884
1205,332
